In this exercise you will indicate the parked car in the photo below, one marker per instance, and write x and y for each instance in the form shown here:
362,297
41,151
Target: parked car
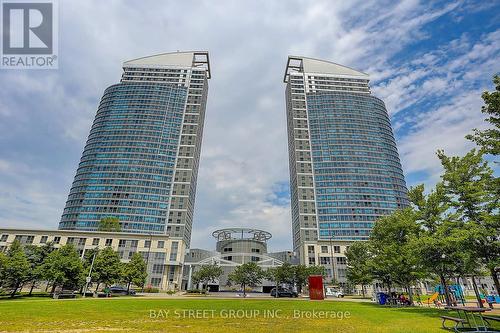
284,292
119,290
334,292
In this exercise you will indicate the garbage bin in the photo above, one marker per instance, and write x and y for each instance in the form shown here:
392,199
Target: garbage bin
382,298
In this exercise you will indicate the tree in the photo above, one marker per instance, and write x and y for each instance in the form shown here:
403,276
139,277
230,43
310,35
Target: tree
249,274
109,223
441,242
473,192
358,265
281,274
107,267
36,256
3,262
206,274
392,243
64,268
300,276
16,268
135,271
489,139
316,270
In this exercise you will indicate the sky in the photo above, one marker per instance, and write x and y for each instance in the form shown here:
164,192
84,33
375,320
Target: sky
429,62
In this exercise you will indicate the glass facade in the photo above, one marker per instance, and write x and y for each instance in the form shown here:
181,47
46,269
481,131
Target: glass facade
128,162
345,171
140,163
357,172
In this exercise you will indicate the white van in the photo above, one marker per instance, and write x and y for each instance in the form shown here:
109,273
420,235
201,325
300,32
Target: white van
334,292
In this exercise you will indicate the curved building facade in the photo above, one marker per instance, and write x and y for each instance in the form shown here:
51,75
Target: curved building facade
140,161
345,171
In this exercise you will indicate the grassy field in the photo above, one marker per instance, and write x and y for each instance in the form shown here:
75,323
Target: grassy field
210,315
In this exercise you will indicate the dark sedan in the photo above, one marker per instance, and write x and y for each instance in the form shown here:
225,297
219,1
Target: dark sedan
284,292
119,290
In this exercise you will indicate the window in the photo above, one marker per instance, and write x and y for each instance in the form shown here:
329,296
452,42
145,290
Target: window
57,239
255,258
70,240
95,241
29,239
228,249
173,251
134,243
122,243
82,241
158,269
4,238
171,273
161,244
109,241
155,282
147,243
341,260
310,249
44,239
336,249
324,260
130,254
256,250
324,249
312,261
160,256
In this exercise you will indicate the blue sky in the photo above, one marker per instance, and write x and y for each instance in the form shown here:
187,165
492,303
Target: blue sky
428,62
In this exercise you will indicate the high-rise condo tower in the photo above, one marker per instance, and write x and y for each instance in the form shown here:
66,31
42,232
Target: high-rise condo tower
140,161
345,170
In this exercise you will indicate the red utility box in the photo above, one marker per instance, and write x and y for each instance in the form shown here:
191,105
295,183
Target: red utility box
316,287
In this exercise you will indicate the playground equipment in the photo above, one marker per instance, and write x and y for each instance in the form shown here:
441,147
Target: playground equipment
431,299
455,292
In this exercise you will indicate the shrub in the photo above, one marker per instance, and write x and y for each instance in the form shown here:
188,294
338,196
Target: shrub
150,289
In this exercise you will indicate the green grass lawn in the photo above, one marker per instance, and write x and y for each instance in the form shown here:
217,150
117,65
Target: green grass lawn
209,315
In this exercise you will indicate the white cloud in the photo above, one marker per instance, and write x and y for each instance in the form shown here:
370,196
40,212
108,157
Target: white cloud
45,116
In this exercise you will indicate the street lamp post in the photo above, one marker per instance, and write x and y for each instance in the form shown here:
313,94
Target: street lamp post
147,258
331,256
89,277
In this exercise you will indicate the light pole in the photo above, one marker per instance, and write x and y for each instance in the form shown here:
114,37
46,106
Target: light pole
147,258
89,277
331,256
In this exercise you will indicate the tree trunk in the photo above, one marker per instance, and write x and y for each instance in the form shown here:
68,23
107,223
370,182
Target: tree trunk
244,291
476,291
494,275
445,287
128,287
13,293
410,294
97,287
31,289
363,290
53,288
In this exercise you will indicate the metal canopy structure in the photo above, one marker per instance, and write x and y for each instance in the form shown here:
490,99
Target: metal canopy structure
241,234
265,261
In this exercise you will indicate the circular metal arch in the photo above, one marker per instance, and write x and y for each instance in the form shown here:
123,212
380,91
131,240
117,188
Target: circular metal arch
241,233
